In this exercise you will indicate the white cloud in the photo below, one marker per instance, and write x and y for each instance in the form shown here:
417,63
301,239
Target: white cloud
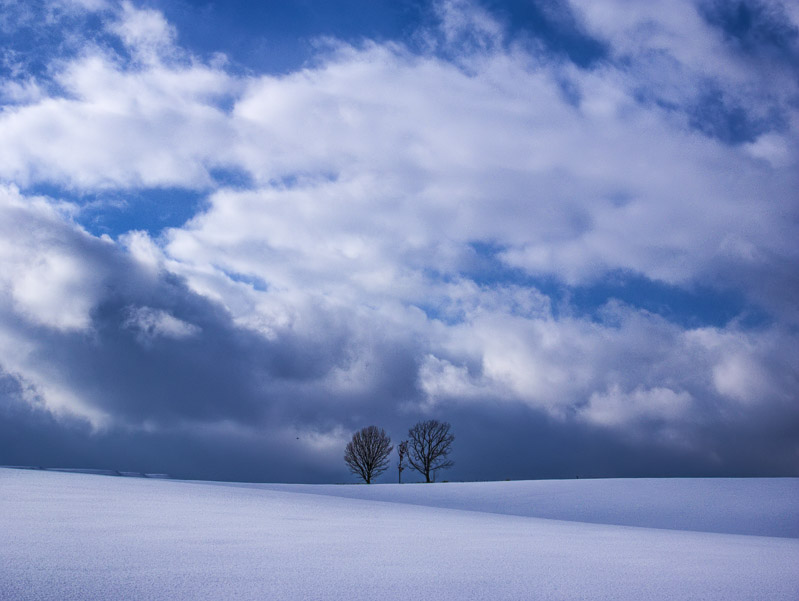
751,370
151,323
48,282
467,26
351,170
22,92
740,378
615,407
45,280
118,128
671,53
772,147
440,379
146,33
142,248
496,155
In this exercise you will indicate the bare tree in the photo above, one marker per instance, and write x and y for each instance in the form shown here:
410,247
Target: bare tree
402,451
367,453
430,443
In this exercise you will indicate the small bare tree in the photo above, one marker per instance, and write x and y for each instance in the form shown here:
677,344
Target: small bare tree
367,453
402,451
430,443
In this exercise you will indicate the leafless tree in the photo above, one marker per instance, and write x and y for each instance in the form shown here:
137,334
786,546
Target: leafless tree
429,447
402,451
367,453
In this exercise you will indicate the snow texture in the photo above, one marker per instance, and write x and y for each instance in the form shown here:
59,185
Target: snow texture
89,537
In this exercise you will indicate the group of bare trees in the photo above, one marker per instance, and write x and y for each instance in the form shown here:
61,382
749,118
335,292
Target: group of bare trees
426,450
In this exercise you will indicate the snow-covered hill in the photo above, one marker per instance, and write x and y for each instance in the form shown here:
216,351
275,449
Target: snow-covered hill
759,506
79,536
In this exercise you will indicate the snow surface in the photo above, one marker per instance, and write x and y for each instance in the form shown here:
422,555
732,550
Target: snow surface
760,506
79,536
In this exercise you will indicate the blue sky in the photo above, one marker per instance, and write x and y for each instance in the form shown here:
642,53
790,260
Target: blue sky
239,231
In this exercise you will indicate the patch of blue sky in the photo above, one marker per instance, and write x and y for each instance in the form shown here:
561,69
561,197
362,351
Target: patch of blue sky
231,177
716,116
251,280
117,212
551,23
757,28
692,306
277,36
713,112
35,32
300,179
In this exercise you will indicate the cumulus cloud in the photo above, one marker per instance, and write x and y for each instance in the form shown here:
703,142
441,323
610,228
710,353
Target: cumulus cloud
389,234
153,121
44,280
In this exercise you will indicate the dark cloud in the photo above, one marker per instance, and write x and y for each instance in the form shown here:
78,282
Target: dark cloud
492,442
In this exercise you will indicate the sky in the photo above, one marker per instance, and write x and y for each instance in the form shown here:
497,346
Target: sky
234,233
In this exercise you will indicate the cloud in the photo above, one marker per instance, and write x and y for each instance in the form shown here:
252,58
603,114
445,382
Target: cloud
45,281
389,234
615,407
683,55
153,120
146,34
152,323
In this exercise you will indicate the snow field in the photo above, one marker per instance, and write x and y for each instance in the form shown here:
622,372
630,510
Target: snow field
77,536
758,506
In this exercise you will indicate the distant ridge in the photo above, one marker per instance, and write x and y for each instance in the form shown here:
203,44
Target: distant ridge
98,472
